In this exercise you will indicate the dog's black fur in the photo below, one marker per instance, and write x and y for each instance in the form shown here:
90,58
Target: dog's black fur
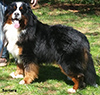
42,43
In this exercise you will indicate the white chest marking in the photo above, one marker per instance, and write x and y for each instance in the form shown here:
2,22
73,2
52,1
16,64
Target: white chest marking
12,35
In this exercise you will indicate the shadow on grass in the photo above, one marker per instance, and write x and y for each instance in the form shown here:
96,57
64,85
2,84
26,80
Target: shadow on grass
93,34
48,72
52,73
98,80
97,60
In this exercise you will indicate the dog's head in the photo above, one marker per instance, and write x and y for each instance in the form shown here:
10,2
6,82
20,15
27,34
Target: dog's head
19,14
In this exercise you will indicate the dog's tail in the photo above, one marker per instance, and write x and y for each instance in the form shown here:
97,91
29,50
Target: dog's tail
90,73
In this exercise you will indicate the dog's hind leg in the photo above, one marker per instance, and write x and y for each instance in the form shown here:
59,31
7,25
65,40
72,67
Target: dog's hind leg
77,79
78,83
31,72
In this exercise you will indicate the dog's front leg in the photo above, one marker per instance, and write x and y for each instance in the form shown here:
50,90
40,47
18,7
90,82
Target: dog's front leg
19,73
31,72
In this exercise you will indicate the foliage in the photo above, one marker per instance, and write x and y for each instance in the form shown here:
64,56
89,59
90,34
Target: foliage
71,1
84,1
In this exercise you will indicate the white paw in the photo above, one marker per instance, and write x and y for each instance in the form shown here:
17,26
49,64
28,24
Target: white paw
18,76
22,82
12,75
71,91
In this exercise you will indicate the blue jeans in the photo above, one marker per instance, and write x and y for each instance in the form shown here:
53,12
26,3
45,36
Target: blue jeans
5,52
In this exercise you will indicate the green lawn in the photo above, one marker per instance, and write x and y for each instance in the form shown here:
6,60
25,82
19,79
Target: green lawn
51,81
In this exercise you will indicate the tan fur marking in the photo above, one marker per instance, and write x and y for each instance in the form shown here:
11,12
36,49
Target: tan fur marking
31,73
24,22
62,70
14,7
19,70
84,65
85,55
76,83
9,20
21,8
20,50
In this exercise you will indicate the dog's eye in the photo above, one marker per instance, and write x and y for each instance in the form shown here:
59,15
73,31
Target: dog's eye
21,8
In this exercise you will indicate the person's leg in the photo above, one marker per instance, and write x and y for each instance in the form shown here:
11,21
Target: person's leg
5,55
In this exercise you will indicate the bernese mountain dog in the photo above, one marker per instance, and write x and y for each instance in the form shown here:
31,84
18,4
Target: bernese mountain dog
31,43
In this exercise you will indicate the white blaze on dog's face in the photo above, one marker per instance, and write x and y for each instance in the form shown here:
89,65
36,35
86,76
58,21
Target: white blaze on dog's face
17,13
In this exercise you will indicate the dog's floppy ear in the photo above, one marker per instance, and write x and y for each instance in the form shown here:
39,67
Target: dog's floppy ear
31,23
8,11
32,26
29,14
32,19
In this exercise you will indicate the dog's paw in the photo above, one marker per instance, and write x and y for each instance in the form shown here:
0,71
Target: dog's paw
22,82
12,75
70,91
18,76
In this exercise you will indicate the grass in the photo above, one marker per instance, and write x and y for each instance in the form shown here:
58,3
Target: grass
51,81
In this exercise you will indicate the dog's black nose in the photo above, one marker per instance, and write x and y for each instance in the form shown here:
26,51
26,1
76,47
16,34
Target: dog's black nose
16,14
